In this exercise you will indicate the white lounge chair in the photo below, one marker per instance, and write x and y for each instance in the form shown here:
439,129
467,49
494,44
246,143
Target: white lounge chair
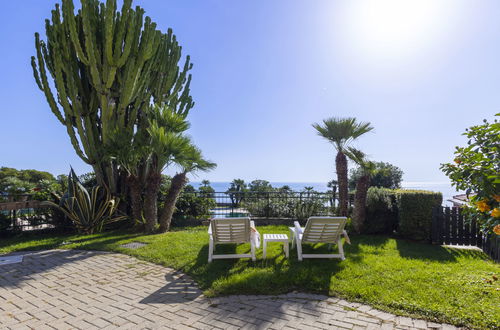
320,230
232,231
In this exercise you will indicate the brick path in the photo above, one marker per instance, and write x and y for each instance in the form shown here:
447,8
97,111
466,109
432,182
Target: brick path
98,290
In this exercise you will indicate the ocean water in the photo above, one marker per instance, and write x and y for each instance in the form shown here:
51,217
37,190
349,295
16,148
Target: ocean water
444,187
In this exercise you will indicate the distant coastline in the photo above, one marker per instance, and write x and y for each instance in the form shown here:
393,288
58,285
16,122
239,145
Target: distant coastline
444,187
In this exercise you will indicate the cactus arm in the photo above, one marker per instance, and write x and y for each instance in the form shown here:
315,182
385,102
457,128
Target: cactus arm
42,78
68,10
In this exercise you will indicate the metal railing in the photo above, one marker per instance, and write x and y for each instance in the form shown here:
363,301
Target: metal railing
269,204
22,212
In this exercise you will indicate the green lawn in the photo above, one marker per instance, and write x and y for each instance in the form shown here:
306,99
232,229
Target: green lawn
406,278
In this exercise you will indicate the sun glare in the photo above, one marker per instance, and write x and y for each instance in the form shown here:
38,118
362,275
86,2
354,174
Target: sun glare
394,27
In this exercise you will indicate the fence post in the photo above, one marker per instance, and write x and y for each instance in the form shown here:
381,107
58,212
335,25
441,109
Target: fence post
436,233
268,204
447,217
474,234
461,239
454,222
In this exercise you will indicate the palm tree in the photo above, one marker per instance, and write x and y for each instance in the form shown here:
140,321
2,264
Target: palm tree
362,185
341,132
190,160
236,191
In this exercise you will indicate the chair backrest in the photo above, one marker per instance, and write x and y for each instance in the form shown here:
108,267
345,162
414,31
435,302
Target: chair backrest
323,229
231,230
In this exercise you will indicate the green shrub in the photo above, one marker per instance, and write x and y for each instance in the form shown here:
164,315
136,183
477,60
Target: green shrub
286,204
192,205
381,212
415,212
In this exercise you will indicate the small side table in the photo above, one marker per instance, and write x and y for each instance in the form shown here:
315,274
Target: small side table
283,238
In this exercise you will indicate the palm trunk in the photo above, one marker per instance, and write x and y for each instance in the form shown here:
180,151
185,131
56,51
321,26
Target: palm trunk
359,212
135,199
153,182
341,164
178,183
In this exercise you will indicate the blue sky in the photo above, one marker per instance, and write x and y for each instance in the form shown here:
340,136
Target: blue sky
264,71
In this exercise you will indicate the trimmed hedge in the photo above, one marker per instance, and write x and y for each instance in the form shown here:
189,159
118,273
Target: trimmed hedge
415,212
381,211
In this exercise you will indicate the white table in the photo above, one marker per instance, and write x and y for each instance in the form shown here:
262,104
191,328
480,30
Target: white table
282,238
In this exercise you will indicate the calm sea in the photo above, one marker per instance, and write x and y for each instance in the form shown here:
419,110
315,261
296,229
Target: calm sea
444,187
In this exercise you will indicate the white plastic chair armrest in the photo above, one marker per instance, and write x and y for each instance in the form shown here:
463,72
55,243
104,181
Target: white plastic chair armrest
252,227
298,229
210,228
347,239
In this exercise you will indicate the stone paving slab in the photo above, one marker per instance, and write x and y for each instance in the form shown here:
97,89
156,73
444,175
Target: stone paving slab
70,289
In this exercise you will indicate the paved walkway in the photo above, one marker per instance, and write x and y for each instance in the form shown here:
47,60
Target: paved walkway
96,290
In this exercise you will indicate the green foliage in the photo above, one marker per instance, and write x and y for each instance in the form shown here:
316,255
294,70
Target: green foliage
194,205
381,211
415,212
384,175
89,212
260,186
476,169
342,131
32,176
236,191
28,182
15,186
284,203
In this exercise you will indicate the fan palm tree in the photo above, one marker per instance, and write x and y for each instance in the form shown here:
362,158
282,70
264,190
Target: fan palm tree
341,132
190,161
167,145
157,143
362,185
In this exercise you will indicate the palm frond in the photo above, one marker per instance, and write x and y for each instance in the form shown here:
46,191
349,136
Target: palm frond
341,131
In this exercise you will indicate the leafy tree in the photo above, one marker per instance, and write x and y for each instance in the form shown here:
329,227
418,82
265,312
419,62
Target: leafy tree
192,205
285,188
476,169
19,182
206,191
385,175
341,132
260,186
236,191
32,176
14,186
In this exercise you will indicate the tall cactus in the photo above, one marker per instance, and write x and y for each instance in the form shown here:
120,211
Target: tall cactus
99,69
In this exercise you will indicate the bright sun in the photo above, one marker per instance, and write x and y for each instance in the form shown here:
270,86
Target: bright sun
393,27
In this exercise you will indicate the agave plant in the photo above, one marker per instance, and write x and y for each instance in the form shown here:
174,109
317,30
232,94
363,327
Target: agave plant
89,212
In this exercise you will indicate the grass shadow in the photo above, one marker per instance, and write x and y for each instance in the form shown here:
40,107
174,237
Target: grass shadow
273,275
428,252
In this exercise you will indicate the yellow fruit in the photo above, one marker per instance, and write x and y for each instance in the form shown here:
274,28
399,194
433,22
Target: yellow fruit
483,206
495,213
